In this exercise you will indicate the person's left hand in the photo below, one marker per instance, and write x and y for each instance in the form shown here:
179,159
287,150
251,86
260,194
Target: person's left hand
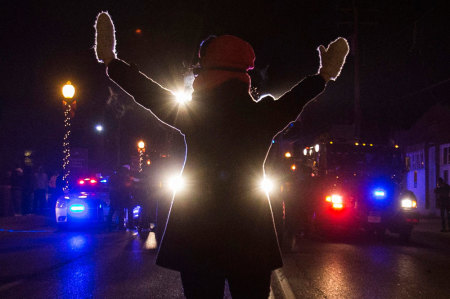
332,58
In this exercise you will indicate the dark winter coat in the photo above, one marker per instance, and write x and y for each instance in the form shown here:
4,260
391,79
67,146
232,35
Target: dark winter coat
222,221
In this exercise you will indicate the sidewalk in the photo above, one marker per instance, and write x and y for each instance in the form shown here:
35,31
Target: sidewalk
428,232
26,222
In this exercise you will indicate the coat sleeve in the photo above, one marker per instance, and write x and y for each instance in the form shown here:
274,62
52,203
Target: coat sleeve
278,113
145,91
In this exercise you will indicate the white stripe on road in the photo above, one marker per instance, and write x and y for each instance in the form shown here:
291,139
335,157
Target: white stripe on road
284,285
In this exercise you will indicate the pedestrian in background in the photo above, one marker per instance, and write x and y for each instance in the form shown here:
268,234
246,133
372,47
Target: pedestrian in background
120,184
27,190
6,207
40,191
16,190
443,202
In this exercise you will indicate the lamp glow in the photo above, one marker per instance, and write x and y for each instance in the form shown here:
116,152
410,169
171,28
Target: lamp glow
68,90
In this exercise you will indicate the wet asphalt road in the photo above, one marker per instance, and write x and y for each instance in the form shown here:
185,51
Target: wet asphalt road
367,267
82,264
99,264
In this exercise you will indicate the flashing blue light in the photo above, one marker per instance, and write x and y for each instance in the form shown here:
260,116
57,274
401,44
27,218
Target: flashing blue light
136,211
273,141
380,194
77,208
104,181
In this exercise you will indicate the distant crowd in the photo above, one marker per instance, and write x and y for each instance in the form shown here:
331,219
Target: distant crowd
29,190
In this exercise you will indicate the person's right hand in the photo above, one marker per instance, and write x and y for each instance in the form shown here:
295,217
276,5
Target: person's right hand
105,39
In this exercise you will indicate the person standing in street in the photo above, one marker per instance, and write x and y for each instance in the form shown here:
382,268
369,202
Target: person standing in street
443,203
27,191
16,190
220,226
120,196
6,206
40,191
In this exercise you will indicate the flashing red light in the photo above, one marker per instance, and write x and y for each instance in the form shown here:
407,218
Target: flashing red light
92,181
81,182
337,206
336,201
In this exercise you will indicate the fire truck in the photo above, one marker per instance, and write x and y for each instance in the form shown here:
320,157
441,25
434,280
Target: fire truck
337,186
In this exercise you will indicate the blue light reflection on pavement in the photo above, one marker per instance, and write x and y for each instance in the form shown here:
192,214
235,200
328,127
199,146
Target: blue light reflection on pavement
77,278
24,231
77,242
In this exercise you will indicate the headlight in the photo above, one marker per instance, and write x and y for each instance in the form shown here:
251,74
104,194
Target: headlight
408,203
176,183
266,185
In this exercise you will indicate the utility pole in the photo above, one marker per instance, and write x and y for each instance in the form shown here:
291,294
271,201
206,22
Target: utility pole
352,8
356,94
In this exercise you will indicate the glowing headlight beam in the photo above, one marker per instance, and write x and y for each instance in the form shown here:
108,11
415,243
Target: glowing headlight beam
408,203
176,183
182,97
266,185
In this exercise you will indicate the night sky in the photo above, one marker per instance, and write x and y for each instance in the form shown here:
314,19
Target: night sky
403,47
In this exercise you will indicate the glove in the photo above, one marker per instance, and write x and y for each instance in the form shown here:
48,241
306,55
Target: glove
105,38
333,58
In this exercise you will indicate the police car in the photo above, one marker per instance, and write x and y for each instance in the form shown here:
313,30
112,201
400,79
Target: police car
87,202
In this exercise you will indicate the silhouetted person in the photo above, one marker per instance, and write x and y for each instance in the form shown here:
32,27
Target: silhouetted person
220,226
6,206
120,194
27,191
16,190
40,191
443,202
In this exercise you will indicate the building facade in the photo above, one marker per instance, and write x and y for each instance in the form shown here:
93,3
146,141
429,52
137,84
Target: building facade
427,146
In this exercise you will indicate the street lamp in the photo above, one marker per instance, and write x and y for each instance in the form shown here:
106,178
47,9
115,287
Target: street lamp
141,150
68,92
99,128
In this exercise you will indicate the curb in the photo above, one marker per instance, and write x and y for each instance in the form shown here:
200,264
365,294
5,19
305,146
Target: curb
283,284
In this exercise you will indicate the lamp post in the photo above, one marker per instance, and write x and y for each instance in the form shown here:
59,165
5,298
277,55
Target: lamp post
68,92
141,150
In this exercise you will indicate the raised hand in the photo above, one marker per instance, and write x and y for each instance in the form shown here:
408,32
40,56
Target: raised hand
332,58
105,38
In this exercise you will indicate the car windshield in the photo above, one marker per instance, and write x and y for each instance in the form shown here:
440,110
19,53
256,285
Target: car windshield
87,184
346,158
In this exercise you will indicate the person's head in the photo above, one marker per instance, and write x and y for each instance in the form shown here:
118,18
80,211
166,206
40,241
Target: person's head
222,58
226,52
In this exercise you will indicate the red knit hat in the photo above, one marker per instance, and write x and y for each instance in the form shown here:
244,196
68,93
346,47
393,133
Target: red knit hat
227,51
224,58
